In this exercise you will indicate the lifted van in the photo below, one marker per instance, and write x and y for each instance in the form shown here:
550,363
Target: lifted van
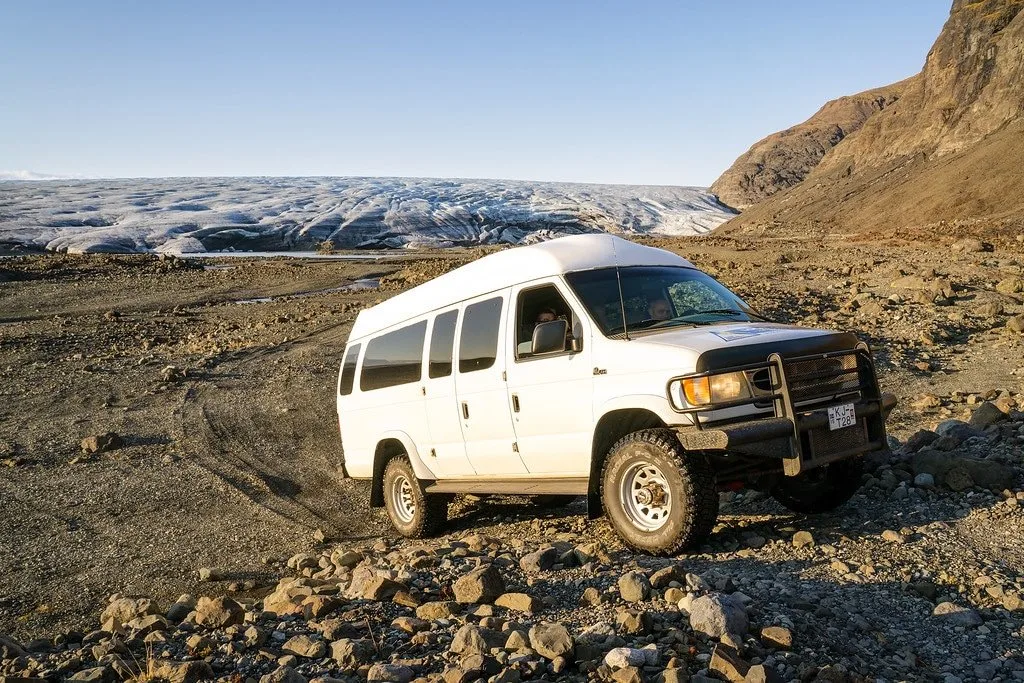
593,366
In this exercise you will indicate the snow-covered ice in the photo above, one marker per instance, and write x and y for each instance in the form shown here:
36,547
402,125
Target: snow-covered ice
189,215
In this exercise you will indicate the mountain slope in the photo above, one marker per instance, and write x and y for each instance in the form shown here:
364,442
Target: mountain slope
783,159
948,150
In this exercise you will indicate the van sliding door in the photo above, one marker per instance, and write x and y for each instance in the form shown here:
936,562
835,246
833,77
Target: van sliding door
446,455
480,385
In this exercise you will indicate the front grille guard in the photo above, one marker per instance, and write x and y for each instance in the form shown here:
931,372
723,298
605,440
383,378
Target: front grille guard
791,399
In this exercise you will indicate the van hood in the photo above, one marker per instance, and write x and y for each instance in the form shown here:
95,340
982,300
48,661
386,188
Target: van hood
740,343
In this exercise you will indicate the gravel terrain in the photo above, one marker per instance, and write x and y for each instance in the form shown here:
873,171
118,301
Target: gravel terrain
215,471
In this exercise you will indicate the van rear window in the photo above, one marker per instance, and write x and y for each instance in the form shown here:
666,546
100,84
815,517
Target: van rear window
394,358
348,370
478,346
442,344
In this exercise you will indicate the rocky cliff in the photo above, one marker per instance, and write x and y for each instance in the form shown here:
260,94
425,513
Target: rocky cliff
948,150
783,159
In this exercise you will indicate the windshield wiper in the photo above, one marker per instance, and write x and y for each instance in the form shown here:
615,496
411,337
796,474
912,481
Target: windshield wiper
718,311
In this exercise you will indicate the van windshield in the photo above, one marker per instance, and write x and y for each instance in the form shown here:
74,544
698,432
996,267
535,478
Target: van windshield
656,297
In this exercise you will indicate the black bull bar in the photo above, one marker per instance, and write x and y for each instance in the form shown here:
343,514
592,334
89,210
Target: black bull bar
799,391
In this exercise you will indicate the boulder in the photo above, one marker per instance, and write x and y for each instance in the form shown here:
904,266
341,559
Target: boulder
778,637
182,672
622,657
986,414
218,612
431,611
716,614
123,610
283,674
389,673
551,640
634,586
304,646
539,560
961,616
473,640
959,473
519,602
350,654
101,443
728,664
482,585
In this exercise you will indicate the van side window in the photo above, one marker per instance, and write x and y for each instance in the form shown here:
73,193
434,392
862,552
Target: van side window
442,344
478,346
537,305
348,370
394,358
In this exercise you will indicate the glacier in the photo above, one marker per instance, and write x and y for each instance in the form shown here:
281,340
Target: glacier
189,215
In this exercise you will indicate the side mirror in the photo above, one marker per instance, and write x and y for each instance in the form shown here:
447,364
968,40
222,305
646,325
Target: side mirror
550,337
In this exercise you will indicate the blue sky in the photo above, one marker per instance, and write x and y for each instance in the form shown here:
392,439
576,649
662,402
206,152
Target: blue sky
621,92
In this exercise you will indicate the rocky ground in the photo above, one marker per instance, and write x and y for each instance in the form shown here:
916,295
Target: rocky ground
221,481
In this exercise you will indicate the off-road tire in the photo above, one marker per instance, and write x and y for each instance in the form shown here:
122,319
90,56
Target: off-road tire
692,491
820,490
429,511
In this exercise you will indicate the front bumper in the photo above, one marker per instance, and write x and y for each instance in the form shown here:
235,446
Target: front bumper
797,431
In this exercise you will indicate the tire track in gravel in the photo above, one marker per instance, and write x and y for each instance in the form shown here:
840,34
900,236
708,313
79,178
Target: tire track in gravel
265,425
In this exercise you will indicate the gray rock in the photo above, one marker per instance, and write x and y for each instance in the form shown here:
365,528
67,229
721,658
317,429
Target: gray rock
482,585
986,414
431,611
716,614
350,654
101,443
520,602
283,674
304,646
959,473
9,649
551,640
389,673
123,610
218,612
919,440
539,560
183,672
621,657
469,640
924,480
634,586
961,616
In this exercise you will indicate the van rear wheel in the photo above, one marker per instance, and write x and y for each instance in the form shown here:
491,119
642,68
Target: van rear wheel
659,497
413,512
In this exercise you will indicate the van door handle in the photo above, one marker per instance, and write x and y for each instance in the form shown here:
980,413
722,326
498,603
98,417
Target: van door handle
515,403
465,410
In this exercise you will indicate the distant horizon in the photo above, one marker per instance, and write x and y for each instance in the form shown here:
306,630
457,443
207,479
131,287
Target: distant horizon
652,93
12,176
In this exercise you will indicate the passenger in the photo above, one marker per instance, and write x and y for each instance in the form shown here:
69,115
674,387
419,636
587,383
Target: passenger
660,309
546,315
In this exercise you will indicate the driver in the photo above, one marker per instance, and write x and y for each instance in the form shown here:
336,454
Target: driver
659,309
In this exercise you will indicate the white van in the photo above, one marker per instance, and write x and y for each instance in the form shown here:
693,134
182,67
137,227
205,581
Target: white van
590,365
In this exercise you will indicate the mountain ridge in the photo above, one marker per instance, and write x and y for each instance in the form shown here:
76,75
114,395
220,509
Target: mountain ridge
941,153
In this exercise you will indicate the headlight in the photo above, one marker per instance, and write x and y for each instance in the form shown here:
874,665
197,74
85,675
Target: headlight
702,391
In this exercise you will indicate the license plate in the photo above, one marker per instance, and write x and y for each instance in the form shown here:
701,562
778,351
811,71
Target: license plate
841,416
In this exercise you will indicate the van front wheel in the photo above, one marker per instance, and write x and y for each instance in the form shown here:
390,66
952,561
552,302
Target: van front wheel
412,511
659,497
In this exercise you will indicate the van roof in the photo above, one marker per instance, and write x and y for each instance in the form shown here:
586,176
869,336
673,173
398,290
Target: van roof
511,267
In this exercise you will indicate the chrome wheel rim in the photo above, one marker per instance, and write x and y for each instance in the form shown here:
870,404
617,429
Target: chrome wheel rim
403,502
645,496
